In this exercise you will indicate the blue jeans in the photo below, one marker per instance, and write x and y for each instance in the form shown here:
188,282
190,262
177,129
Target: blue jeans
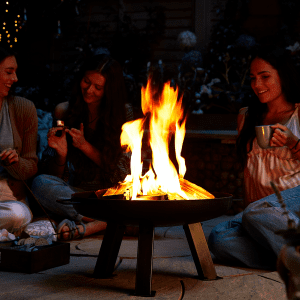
47,189
250,238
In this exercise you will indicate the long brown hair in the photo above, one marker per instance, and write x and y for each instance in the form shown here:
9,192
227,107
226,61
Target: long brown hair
280,60
111,112
4,53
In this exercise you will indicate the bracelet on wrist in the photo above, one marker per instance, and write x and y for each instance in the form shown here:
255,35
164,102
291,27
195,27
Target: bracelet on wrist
295,145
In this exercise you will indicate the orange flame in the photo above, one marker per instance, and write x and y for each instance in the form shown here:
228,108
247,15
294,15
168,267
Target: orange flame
166,118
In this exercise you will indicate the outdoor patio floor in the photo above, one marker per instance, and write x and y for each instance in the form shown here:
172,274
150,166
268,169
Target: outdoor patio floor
174,274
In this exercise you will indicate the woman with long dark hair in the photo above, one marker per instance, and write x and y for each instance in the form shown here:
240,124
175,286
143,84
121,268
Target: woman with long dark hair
18,141
250,238
88,147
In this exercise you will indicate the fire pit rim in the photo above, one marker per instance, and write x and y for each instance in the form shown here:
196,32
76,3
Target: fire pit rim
160,212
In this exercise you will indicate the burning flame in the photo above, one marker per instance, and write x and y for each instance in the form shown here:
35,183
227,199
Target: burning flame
165,115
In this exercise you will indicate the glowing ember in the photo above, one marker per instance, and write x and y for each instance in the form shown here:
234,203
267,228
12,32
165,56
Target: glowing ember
166,118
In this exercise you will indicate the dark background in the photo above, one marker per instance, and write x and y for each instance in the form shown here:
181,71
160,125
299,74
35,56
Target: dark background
136,33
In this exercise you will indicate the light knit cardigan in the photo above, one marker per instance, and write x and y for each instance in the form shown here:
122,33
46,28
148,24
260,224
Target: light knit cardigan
24,123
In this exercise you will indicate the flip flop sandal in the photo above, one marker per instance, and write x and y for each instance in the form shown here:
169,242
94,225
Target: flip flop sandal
72,226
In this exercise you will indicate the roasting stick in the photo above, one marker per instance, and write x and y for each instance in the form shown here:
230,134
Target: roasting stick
40,205
291,223
43,209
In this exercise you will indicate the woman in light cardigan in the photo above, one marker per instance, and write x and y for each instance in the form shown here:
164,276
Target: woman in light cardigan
18,140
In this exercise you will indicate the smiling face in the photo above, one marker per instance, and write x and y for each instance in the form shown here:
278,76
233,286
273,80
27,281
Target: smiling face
265,82
8,76
92,87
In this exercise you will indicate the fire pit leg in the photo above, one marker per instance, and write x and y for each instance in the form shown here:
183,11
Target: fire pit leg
109,250
200,251
144,260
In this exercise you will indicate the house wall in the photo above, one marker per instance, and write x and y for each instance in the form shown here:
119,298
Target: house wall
179,17
198,16
264,18
207,14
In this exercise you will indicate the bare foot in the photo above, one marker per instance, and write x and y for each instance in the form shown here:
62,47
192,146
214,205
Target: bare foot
91,228
87,220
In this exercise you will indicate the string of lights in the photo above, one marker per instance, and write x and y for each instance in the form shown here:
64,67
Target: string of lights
13,16
11,24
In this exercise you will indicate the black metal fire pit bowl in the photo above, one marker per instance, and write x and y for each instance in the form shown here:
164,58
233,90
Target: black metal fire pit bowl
148,214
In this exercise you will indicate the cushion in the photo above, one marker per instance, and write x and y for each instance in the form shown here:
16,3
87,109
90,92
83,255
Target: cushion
42,228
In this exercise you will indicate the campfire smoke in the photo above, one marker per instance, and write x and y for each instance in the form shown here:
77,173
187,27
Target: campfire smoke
166,118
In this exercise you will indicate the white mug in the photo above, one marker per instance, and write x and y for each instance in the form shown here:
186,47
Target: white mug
264,134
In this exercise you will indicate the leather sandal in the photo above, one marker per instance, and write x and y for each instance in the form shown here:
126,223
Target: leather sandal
72,226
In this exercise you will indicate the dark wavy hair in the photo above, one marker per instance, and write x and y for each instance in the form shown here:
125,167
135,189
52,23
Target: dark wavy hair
280,60
4,53
106,137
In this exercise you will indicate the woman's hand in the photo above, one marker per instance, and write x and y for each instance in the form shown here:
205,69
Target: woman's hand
78,137
59,143
282,136
9,157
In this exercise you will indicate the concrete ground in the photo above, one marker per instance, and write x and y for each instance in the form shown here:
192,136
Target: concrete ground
174,274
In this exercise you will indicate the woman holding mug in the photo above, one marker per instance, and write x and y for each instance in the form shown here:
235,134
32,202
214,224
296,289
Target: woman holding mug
250,237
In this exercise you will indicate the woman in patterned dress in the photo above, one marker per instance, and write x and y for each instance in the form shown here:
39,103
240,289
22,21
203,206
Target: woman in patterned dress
250,238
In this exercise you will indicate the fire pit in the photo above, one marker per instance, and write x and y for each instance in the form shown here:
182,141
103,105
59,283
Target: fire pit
148,214
131,202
